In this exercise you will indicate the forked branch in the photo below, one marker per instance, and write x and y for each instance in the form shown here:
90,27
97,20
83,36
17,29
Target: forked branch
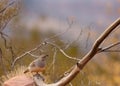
62,51
81,63
28,52
107,49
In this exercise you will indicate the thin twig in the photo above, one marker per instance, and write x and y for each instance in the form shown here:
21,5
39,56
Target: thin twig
7,6
3,27
69,44
106,49
88,36
8,47
73,58
2,63
112,51
80,65
7,22
54,36
33,55
28,52
54,59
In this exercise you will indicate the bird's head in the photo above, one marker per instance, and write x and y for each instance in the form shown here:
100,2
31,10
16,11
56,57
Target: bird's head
43,56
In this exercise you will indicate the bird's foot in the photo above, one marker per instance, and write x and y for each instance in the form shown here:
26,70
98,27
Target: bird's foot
39,76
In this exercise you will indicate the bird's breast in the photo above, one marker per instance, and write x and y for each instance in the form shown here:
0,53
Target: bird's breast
37,69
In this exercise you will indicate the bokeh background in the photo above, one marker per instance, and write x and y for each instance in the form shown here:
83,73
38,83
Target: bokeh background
80,22
100,13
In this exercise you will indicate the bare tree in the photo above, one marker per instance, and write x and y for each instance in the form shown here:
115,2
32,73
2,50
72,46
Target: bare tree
69,75
95,49
72,73
8,10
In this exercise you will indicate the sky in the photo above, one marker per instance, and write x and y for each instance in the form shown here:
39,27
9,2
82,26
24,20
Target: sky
98,12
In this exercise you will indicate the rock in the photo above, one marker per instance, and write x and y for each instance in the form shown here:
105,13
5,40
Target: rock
21,80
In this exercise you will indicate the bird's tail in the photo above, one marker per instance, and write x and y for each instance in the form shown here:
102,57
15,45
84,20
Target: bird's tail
27,70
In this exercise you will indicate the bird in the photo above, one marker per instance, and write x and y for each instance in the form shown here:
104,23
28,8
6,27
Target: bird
37,65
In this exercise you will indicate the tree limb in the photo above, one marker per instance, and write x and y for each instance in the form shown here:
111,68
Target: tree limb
89,55
7,6
106,49
82,62
28,52
62,51
77,68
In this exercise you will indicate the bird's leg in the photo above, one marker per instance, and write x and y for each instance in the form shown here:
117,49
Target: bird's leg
39,76
42,77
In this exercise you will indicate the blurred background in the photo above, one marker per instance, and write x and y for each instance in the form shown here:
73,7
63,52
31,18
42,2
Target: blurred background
98,13
77,24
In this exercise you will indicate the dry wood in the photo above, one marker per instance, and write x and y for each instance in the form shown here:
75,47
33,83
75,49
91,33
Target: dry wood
81,63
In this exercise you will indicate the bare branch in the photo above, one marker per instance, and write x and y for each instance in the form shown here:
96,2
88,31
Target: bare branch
69,44
44,43
9,47
2,63
33,55
106,49
54,36
53,63
3,11
97,43
28,52
54,45
5,23
88,36
79,66
111,51
7,6
89,55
